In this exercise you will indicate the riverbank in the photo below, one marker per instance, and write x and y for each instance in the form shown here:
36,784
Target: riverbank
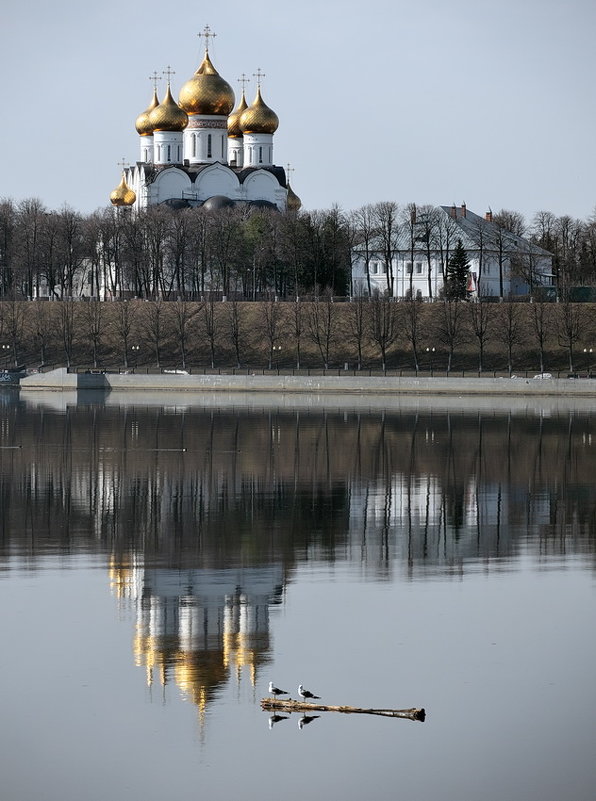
61,380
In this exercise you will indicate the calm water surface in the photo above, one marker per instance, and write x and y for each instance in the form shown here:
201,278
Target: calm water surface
159,564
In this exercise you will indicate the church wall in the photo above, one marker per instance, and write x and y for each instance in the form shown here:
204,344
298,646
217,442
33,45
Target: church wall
170,184
217,180
260,185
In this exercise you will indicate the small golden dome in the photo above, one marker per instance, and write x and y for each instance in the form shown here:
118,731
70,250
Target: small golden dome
259,118
123,194
207,92
293,202
168,116
234,129
142,124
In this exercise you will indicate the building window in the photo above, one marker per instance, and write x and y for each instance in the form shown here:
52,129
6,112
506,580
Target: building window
169,153
418,268
194,144
409,267
260,155
208,146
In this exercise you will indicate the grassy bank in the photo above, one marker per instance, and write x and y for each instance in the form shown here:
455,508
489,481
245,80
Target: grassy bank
162,335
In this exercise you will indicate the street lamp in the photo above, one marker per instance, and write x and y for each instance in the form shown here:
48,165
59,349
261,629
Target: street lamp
430,352
135,350
588,352
276,353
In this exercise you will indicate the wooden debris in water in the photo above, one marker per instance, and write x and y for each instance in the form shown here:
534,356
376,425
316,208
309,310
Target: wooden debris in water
301,706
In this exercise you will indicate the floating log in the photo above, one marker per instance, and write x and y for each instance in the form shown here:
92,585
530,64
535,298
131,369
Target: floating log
300,706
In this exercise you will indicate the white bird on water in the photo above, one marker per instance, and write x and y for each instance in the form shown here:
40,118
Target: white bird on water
273,690
306,693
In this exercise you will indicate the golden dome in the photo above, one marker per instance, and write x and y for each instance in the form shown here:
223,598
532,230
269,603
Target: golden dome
207,92
142,124
234,129
293,202
123,194
168,116
259,118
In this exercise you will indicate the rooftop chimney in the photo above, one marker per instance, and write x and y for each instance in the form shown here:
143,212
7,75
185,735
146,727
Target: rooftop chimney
463,209
488,216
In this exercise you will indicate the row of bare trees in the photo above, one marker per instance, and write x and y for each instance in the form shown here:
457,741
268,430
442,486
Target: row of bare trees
254,253
165,253
365,332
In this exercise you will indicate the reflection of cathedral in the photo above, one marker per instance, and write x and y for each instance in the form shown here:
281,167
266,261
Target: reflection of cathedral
202,151
200,626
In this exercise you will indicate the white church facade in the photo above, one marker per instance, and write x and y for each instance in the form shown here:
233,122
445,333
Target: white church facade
414,263
200,150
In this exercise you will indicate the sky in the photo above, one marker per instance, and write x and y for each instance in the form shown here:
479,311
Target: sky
443,101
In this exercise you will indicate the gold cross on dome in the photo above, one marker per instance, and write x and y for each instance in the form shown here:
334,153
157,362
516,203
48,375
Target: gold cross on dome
154,78
289,170
169,72
206,35
243,80
123,164
258,75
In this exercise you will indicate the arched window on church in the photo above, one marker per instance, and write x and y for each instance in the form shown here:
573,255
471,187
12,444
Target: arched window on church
260,155
194,145
208,146
169,153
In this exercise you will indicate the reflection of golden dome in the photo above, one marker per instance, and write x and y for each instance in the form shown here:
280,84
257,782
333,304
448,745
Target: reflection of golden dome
168,116
234,129
142,124
293,202
207,92
123,194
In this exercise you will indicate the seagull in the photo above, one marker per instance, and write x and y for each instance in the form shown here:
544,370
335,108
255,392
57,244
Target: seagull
306,719
273,690
306,693
273,719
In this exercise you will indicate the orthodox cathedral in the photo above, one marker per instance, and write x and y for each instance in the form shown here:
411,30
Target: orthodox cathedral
201,151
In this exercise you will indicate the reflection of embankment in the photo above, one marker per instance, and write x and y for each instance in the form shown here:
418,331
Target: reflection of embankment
199,627
218,489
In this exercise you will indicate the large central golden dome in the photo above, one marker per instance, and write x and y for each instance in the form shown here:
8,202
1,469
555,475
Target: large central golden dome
168,116
259,118
207,92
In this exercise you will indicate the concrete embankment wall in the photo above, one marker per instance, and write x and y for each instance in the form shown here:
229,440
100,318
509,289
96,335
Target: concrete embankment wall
62,380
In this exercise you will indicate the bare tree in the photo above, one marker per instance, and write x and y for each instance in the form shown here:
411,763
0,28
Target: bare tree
236,328
384,325
66,325
42,328
364,225
271,326
14,318
297,328
211,326
449,327
386,216
321,327
125,314
413,326
154,326
182,313
509,329
357,313
481,320
94,324
541,327
570,326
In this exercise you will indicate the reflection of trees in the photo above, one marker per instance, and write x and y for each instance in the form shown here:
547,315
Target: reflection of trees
218,488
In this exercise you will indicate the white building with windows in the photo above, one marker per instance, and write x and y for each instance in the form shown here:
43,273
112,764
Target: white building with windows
414,261
200,150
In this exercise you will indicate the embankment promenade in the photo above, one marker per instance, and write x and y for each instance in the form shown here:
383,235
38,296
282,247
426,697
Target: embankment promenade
62,380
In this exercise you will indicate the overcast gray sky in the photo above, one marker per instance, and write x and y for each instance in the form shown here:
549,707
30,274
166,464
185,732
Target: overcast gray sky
442,101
